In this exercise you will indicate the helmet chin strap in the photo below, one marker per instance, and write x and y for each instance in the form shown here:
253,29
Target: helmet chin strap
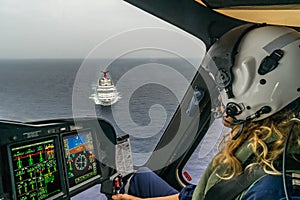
257,114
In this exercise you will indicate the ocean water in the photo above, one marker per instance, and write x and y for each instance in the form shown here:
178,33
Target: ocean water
47,89
36,89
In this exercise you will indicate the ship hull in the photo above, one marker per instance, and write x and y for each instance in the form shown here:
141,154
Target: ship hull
105,96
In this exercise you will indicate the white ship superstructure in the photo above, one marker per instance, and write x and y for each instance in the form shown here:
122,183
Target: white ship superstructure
106,92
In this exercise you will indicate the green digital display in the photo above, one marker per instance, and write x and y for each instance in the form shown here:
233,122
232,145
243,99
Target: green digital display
35,170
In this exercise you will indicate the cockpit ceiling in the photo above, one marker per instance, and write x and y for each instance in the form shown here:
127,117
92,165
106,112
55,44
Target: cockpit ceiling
279,12
233,3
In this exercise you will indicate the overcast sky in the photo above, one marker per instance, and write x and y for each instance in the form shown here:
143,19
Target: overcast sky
65,28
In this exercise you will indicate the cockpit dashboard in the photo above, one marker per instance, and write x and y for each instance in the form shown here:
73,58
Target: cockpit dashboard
54,159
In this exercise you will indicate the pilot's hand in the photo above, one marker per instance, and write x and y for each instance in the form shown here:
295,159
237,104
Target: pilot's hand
124,197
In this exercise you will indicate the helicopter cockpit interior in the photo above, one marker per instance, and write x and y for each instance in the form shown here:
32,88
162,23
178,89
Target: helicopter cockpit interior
63,157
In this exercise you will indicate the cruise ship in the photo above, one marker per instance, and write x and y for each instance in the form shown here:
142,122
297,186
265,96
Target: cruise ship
106,93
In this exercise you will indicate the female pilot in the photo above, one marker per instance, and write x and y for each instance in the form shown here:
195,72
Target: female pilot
256,68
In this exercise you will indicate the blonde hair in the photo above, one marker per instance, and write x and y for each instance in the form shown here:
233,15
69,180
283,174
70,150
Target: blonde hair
258,134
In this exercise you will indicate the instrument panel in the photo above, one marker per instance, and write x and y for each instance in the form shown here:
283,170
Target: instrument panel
79,157
35,169
54,159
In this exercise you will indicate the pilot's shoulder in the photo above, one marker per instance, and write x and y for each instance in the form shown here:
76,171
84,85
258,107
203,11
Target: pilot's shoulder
269,187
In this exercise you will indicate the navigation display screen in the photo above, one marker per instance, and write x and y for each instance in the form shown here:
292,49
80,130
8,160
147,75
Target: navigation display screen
79,157
35,170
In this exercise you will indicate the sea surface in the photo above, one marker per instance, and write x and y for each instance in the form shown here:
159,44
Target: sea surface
49,88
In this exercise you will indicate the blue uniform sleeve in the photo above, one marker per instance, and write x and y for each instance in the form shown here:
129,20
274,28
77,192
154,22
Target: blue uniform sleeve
187,192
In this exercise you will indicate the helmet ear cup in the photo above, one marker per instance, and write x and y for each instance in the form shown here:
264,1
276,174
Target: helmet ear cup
244,75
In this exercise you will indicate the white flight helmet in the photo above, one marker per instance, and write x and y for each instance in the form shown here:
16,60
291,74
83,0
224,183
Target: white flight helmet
259,74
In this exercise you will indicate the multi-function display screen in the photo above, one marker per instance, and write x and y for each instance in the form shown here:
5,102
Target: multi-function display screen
35,170
79,156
